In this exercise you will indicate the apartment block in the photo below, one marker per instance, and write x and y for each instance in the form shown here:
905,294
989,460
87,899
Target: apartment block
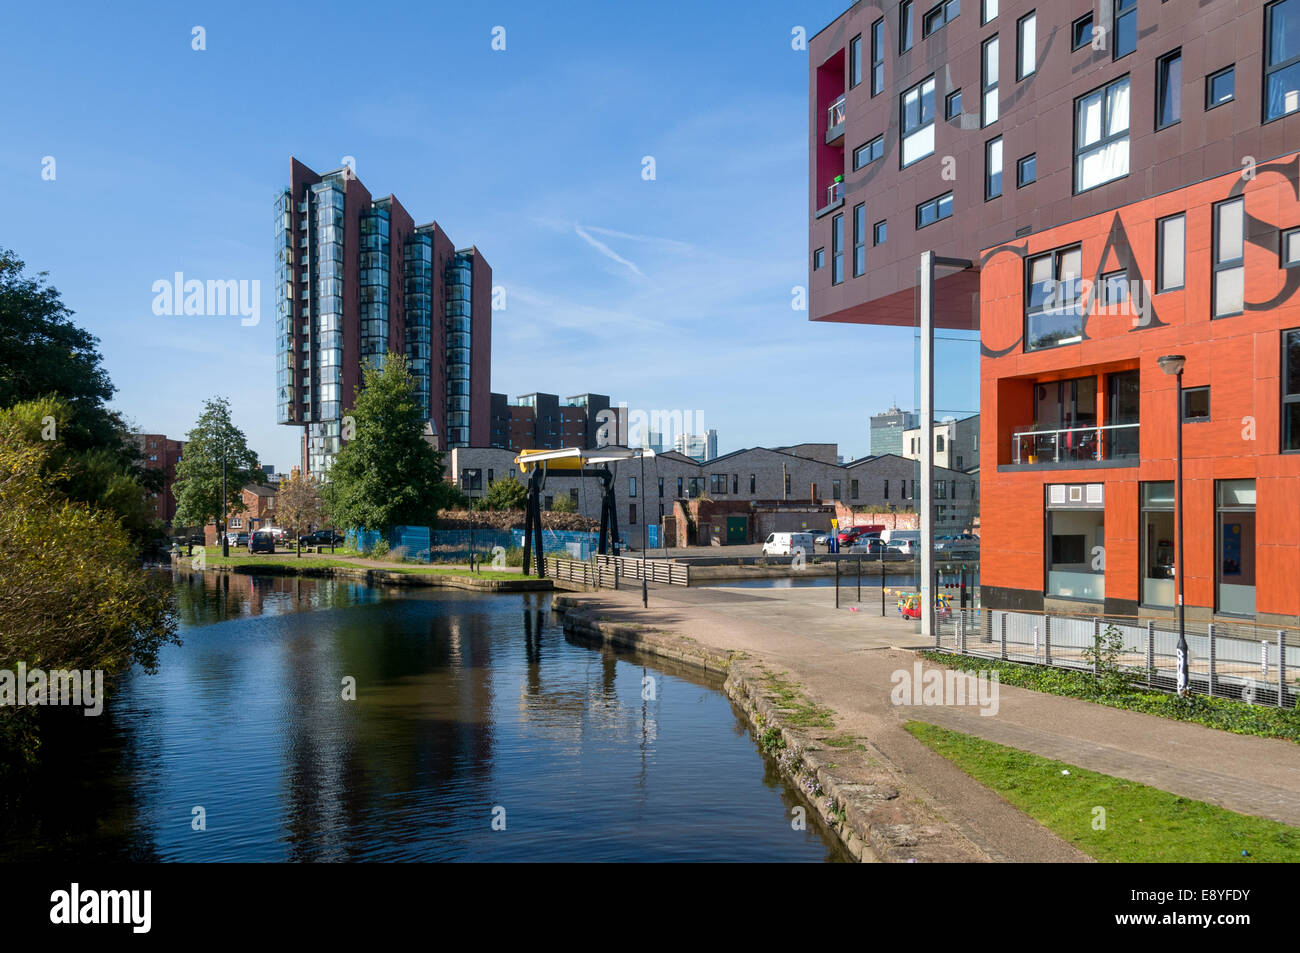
160,452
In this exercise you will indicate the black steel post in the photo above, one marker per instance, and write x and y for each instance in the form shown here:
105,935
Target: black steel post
1183,681
837,582
645,524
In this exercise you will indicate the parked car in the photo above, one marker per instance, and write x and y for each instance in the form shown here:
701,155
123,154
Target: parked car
261,541
785,544
236,539
822,539
958,545
869,544
904,547
322,537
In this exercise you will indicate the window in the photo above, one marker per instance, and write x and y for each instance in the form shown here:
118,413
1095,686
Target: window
886,496
631,487
989,82
952,105
1220,87
879,233
548,502
993,168
735,484
1196,404
1169,89
939,15
878,57
661,488
1101,135
1081,32
1236,546
1026,170
905,26
753,484
1170,253
989,11
939,207
787,484
1114,289
1291,248
835,489
1053,312
1075,567
1125,33
718,484
679,487
1281,59
1229,260
573,498
853,489
1158,544
631,514
819,259
859,240
868,152
855,61
1291,390
1026,45
837,250
918,121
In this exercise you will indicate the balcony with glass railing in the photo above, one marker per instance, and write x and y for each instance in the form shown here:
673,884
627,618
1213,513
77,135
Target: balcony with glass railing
1076,446
835,118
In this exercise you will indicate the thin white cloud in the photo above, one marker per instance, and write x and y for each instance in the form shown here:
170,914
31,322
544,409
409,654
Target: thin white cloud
606,250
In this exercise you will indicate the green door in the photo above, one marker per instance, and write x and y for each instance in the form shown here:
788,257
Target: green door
737,530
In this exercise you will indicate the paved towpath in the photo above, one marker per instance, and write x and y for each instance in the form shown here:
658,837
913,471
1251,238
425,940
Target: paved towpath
845,659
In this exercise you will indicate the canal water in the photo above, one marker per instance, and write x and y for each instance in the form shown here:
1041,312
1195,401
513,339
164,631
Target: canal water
472,711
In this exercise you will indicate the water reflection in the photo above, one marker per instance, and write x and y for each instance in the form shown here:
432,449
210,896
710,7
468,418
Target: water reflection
464,703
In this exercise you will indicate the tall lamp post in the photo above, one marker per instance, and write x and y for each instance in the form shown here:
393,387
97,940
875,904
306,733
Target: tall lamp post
1173,364
645,528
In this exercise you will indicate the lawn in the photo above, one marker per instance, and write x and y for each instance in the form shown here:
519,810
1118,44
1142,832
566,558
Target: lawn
1112,819
289,561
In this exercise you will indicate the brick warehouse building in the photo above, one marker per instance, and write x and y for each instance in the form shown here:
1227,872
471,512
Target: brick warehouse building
357,278
1123,177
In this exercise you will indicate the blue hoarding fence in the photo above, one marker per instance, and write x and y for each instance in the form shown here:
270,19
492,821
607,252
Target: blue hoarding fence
454,545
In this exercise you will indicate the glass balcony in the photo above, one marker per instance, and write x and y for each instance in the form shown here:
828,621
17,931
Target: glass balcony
835,117
1082,446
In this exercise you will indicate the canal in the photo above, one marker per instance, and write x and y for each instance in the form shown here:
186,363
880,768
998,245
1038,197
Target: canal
478,732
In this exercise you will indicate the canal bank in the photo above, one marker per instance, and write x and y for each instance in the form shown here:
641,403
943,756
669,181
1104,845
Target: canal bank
413,578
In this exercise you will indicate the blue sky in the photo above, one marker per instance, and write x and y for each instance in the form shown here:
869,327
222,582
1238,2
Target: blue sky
671,293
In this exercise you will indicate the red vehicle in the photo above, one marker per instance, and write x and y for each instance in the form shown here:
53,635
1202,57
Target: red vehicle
850,534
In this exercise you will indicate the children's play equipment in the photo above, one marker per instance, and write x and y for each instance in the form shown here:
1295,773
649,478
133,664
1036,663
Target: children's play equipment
572,461
909,605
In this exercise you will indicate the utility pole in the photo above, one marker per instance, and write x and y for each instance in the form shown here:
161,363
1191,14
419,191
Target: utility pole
225,505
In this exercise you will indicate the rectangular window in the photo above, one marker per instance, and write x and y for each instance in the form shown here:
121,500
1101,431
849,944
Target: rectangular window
1125,33
1158,544
853,489
904,26
753,484
835,489
1026,170
989,11
1281,59
631,487
819,259
1291,248
631,514
918,121
1235,571
1229,257
878,57
837,249
787,484
855,61
868,153
993,168
661,488
989,81
1081,32
938,208
1072,568
735,484
1291,390
859,240
573,498
952,105
1196,404
886,496
939,15
879,233
1169,89
679,488
1220,87
1101,135
1171,253
1053,308
1114,289
1026,45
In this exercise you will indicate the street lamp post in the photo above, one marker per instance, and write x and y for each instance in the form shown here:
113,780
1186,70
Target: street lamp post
1173,364
645,530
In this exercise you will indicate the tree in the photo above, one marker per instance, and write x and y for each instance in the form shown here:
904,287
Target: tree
505,494
564,504
299,505
387,474
72,594
199,473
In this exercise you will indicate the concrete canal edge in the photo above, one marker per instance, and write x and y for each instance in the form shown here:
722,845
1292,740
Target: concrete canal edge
854,789
386,577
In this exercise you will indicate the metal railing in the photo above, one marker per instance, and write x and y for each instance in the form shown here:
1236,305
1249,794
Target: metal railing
834,193
656,570
835,114
1225,660
1075,444
587,574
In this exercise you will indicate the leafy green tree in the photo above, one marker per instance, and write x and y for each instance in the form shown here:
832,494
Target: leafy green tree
299,505
505,494
199,473
387,474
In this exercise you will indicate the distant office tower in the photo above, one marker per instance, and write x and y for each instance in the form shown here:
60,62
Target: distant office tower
887,430
543,422
701,447
356,279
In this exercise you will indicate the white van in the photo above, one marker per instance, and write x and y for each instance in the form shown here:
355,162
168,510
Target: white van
785,544
906,541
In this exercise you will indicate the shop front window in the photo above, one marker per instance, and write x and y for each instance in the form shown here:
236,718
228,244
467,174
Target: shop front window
1158,544
1236,543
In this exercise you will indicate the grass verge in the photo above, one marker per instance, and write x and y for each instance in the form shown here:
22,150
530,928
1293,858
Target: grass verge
289,561
1222,713
1109,818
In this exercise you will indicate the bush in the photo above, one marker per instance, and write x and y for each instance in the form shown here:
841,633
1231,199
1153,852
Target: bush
504,494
